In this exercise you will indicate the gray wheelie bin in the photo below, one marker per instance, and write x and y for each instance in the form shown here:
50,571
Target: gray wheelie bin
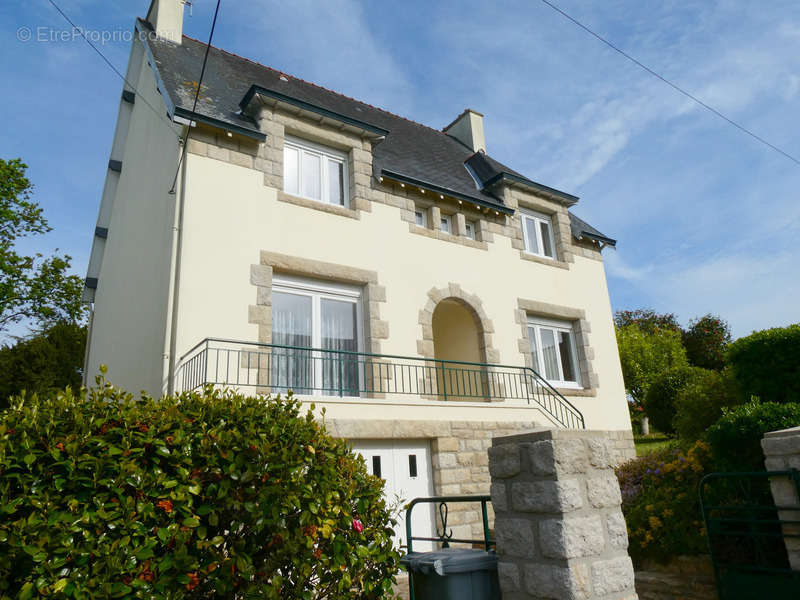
453,574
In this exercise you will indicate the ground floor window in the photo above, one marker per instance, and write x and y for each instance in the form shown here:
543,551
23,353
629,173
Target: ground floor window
553,351
315,330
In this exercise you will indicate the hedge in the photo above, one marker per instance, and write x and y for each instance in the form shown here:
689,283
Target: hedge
767,364
699,403
204,495
735,439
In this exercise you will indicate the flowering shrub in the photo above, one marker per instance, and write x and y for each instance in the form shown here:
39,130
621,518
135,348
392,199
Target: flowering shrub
660,503
210,494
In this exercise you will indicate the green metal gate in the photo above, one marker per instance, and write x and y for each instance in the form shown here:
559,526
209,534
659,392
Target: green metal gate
748,534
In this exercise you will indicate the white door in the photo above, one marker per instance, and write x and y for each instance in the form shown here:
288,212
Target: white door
405,465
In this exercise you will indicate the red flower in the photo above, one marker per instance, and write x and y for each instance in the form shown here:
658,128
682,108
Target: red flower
166,505
60,446
358,525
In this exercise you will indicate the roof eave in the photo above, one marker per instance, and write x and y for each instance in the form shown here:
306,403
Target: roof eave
510,178
227,125
432,187
362,127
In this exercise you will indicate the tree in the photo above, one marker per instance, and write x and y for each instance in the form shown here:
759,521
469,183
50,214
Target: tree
648,320
645,355
706,341
33,289
660,402
48,361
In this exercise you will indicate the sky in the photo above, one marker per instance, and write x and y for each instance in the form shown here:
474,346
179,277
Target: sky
707,219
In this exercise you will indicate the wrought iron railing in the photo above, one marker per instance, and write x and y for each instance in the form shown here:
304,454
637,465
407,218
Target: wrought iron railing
273,368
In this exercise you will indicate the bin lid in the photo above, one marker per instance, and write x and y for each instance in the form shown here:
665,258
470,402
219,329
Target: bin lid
450,560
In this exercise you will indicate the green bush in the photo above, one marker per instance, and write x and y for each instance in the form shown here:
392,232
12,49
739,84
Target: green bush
767,364
205,495
735,439
659,402
661,505
699,403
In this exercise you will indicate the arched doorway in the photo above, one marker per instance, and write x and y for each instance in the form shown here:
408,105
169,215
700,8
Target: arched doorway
458,336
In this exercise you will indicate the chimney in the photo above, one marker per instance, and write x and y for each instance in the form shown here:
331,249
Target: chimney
468,129
166,17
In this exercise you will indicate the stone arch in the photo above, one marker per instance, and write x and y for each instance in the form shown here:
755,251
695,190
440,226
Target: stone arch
425,345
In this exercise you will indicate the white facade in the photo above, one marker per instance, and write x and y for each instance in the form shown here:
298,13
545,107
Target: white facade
206,262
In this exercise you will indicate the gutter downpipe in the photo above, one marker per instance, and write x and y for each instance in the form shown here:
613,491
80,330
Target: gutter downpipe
176,282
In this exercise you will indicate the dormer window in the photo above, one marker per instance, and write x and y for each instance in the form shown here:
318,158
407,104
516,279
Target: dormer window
447,224
537,231
421,217
315,172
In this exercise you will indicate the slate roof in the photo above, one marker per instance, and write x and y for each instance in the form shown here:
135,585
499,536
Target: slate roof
409,150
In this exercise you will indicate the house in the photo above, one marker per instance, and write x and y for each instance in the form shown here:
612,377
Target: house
422,293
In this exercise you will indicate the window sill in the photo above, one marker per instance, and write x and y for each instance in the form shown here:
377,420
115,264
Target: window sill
447,237
318,205
577,392
543,261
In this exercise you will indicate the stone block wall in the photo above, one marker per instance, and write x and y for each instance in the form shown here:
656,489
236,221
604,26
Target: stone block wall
782,452
558,520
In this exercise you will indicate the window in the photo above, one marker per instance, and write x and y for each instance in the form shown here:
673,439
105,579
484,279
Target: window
306,315
447,224
421,218
553,351
537,231
315,172
469,229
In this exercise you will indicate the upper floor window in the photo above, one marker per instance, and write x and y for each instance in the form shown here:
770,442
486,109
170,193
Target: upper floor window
553,351
537,231
421,217
447,224
315,172
469,229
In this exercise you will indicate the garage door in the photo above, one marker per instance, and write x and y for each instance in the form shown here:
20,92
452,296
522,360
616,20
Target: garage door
405,465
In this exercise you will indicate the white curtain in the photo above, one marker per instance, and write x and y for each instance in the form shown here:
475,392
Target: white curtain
549,356
291,326
339,333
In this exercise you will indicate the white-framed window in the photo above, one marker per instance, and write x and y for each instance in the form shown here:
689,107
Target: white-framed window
315,172
469,229
553,351
421,217
447,224
326,317
537,231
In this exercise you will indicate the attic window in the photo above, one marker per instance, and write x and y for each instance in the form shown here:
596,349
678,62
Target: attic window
315,172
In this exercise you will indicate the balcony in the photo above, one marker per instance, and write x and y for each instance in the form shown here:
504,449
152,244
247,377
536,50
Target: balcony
274,368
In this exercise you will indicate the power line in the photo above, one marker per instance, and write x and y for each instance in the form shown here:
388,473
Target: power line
196,96
673,85
111,65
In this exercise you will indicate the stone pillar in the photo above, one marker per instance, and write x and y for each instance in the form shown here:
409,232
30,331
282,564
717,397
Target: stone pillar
782,452
558,522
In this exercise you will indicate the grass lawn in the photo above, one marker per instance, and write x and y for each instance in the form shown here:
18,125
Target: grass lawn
645,444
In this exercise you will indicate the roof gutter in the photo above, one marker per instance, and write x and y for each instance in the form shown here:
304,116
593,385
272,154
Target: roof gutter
257,90
443,190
